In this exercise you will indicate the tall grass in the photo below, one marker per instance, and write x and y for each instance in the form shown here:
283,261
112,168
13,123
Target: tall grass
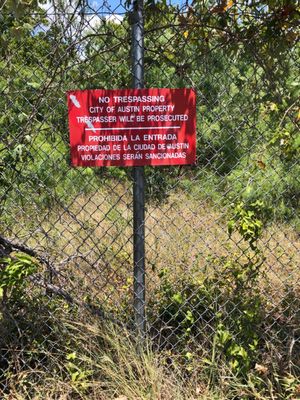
71,356
51,350
97,361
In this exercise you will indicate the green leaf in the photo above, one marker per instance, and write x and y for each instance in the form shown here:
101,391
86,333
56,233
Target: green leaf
177,297
71,356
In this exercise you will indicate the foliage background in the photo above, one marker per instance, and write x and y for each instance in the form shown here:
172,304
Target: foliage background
222,236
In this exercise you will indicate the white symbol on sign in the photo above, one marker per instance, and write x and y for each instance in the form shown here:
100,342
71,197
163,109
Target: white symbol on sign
91,126
77,104
74,101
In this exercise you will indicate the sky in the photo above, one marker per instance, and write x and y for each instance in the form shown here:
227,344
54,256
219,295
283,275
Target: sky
117,6
95,10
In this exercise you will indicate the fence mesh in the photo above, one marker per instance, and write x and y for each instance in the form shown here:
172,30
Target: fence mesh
222,236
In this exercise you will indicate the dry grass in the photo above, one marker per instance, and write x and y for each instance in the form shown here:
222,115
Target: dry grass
110,365
102,361
90,241
186,235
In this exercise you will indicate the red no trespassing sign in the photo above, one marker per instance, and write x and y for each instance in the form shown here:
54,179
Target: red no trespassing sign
132,127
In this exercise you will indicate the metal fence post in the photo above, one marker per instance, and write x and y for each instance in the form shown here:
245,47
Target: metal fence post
138,177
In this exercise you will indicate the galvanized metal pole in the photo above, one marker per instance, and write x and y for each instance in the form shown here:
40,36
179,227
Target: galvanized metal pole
138,178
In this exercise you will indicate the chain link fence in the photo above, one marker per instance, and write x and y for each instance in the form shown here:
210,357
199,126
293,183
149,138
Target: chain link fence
221,237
